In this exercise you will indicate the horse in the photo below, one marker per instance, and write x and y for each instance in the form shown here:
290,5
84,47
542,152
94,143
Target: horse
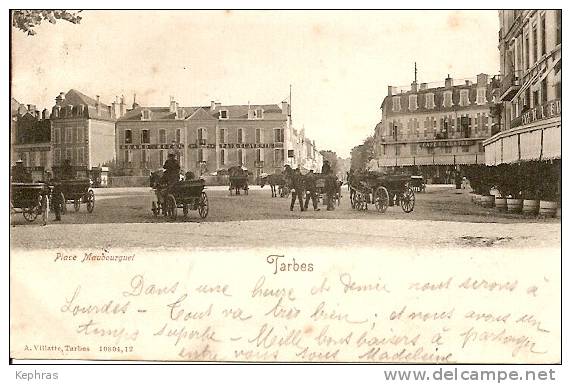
157,183
238,178
274,180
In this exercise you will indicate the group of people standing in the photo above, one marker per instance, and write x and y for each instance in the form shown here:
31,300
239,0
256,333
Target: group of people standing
305,185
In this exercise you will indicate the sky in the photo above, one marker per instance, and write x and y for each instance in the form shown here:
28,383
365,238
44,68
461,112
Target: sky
339,63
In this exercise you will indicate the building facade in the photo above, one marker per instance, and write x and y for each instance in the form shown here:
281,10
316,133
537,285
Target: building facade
207,139
528,109
31,141
435,128
83,130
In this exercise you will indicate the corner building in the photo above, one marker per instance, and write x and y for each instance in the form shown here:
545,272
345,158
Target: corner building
435,128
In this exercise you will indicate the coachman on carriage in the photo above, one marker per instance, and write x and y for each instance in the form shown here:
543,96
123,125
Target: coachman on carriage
187,194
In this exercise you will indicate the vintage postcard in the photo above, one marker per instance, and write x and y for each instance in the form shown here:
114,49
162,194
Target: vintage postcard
286,186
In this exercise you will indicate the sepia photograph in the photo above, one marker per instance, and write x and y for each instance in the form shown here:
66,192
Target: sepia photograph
287,186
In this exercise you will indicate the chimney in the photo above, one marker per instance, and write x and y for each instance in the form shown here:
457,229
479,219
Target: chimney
390,92
423,86
122,106
97,104
285,107
32,109
116,111
135,104
217,105
448,82
59,98
414,87
45,114
172,106
468,82
483,80
212,105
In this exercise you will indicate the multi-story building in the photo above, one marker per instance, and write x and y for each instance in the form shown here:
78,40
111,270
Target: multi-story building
83,130
435,127
206,139
31,140
528,111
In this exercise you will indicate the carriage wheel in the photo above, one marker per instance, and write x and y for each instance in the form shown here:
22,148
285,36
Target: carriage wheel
155,208
90,201
30,214
171,209
76,205
203,205
407,200
63,206
381,199
185,210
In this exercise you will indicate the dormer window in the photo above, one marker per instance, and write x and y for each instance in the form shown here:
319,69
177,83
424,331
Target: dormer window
481,96
412,102
146,115
447,99
464,101
429,101
259,113
396,104
223,114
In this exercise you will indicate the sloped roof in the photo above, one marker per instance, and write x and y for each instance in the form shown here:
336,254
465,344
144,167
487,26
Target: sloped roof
14,106
74,97
204,112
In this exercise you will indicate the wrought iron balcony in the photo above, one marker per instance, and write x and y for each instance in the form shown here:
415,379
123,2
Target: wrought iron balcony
511,84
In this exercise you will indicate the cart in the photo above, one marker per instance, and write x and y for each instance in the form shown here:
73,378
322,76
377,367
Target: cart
381,190
238,178
75,191
325,183
417,183
30,199
187,194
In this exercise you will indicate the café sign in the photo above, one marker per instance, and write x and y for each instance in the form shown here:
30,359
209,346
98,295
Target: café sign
545,111
448,143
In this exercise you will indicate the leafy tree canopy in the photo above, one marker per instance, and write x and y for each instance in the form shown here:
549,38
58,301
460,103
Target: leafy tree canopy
27,20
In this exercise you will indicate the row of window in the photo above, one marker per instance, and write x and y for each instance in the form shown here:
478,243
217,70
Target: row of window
69,135
202,156
430,150
68,111
446,102
447,124
76,155
202,135
535,44
253,114
34,158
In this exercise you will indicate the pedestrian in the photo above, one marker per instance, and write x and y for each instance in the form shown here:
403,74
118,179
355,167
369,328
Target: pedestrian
298,189
326,168
311,192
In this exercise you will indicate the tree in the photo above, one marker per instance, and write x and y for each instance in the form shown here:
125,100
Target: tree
27,20
362,154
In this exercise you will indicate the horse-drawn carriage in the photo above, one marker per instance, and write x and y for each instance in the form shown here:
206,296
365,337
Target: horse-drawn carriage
328,183
238,178
277,183
186,194
31,199
417,183
76,191
381,190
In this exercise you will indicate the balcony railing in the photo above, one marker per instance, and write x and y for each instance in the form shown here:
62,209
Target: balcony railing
511,83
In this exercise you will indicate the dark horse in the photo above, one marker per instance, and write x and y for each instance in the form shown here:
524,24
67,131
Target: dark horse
274,180
238,178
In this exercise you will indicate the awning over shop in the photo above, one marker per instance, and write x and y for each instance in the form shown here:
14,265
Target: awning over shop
423,160
552,143
530,145
444,159
466,159
510,150
405,161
